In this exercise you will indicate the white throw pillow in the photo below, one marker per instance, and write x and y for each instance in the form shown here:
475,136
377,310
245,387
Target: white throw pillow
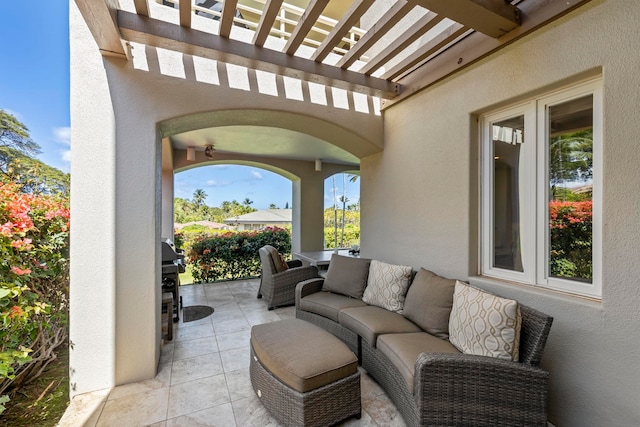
484,324
387,285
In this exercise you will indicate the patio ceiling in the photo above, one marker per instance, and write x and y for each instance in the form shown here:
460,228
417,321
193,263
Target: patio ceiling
388,49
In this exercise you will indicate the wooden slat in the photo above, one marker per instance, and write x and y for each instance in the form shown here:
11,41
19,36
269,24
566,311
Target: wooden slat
185,13
434,45
307,20
142,7
228,13
375,33
348,20
474,47
99,16
268,17
157,33
414,32
494,18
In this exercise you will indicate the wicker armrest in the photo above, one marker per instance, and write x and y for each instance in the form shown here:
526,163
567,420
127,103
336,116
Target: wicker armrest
308,287
478,390
294,263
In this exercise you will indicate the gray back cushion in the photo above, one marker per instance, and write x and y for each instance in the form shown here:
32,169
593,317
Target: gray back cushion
429,301
347,276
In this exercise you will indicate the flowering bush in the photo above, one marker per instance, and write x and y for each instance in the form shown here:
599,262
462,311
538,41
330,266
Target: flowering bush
571,236
234,255
34,232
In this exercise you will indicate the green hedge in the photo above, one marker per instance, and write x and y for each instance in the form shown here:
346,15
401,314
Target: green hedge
234,255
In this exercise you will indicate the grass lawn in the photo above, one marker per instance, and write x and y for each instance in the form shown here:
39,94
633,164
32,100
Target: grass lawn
42,402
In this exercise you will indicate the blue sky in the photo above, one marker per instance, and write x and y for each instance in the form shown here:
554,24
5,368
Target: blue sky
34,86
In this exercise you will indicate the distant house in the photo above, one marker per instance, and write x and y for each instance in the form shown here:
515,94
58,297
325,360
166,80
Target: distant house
208,224
260,219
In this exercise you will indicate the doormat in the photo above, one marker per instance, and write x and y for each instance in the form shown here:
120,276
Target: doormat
196,312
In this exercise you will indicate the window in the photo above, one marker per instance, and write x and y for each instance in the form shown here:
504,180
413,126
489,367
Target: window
541,191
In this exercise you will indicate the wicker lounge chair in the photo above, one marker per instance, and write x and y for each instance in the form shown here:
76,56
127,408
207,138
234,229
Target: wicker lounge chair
278,281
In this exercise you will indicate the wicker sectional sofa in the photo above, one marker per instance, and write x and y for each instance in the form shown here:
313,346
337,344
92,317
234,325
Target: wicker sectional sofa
409,353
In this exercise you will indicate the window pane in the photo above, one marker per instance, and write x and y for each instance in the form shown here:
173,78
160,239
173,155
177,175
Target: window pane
508,136
570,154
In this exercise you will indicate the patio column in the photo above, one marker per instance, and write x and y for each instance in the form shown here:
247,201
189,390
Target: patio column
308,213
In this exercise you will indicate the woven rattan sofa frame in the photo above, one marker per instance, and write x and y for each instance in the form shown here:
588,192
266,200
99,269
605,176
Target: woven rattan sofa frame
458,389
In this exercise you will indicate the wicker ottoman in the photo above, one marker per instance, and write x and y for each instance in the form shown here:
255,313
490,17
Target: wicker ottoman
304,375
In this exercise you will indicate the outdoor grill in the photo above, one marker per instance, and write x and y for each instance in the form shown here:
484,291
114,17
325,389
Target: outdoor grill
172,265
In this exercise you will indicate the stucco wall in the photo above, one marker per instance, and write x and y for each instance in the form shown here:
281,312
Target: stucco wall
419,199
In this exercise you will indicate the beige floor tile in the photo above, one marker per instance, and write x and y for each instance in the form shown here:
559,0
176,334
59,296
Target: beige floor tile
233,340
197,395
196,347
217,416
250,412
383,412
229,326
235,359
185,333
194,368
161,380
137,410
239,384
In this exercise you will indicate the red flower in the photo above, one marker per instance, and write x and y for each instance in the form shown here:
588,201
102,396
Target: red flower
15,312
19,271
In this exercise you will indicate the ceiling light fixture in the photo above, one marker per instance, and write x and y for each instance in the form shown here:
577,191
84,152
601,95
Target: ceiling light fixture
191,154
208,151
318,165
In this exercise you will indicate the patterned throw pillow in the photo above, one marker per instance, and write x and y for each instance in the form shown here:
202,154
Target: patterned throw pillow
484,324
387,285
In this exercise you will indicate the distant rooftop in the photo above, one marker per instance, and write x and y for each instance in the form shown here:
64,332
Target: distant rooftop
267,216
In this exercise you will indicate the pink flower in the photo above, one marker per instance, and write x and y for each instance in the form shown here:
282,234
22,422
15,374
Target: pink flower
19,271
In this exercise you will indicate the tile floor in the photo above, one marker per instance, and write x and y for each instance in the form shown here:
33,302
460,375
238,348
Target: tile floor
203,376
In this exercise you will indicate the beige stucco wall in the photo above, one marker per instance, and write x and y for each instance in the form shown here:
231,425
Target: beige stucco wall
419,200
120,192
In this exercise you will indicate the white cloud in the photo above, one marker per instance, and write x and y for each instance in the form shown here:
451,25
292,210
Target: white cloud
256,174
62,135
214,183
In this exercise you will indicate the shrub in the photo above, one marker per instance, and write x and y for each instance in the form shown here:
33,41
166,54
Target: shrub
34,281
234,255
571,236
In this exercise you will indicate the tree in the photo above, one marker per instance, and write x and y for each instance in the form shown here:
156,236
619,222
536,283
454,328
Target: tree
273,206
570,158
199,196
18,164
247,202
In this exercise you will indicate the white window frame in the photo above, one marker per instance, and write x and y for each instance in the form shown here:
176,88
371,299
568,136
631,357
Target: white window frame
534,181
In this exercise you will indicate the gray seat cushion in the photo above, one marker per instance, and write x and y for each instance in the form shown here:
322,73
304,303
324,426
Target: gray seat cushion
371,321
328,304
302,355
429,301
347,276
403,350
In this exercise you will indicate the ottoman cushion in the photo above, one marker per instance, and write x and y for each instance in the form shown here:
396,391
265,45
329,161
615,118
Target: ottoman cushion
302,355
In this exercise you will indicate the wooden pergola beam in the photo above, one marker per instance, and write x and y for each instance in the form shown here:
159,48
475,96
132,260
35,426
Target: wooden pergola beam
142,7
433,46
413,33
268,17
185,13
100,17
228,13
348,20
375,33
307,20
494,18
157,33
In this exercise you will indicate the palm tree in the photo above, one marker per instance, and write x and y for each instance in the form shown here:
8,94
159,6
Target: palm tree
199,197
247,202
570,158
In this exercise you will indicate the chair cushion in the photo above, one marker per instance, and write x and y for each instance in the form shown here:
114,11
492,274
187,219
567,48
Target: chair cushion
484,324
347,276
276,259
371,321
428,303
328,304
302,355
403,350
387,285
